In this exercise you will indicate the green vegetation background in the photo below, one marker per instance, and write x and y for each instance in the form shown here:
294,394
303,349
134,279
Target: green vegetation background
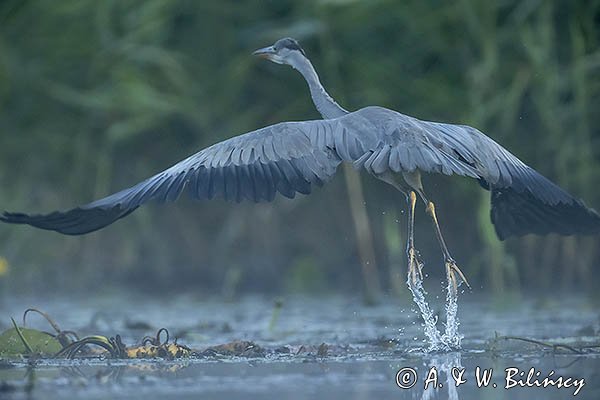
97,95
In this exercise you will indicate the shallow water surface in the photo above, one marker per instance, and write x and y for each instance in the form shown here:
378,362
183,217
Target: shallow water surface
331,347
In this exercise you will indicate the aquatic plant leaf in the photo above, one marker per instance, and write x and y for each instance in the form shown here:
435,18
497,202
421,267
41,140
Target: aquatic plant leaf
41,343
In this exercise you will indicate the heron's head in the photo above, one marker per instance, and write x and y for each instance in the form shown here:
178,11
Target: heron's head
284,51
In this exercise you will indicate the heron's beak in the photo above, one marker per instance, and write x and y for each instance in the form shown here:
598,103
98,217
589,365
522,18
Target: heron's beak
269,53
265,52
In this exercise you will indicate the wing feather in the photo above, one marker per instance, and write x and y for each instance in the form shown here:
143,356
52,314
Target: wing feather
280,158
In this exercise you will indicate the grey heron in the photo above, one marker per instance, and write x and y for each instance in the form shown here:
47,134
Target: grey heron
292,157
505,206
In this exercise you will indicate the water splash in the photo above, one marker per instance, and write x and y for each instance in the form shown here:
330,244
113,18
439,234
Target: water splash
434,337
451,339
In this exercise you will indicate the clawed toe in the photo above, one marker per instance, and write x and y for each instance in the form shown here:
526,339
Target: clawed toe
453,270
415,267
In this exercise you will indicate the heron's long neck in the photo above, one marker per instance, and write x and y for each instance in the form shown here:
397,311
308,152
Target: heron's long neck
325,104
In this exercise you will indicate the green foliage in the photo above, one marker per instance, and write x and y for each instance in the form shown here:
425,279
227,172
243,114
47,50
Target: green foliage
95,96
305,276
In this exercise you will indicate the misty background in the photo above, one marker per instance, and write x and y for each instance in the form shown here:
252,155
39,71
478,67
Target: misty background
97,95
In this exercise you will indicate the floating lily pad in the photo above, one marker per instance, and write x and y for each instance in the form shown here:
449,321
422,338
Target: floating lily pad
40,343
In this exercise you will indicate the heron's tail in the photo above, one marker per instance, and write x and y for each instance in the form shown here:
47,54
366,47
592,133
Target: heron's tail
517,213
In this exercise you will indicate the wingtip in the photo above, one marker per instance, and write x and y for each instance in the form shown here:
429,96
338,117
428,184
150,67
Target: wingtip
519,213
10,217
4,217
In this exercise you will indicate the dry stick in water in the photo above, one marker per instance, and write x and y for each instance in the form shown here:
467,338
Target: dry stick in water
540,343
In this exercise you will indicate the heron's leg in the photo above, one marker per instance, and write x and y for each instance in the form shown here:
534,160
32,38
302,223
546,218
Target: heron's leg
414,265
414,277
452,269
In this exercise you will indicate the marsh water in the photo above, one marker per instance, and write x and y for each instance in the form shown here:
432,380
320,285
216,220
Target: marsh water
310,346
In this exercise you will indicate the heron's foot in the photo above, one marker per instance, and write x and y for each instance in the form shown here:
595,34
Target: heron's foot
415,267
455,275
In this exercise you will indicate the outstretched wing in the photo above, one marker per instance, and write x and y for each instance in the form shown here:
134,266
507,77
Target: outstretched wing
523,200
285,158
